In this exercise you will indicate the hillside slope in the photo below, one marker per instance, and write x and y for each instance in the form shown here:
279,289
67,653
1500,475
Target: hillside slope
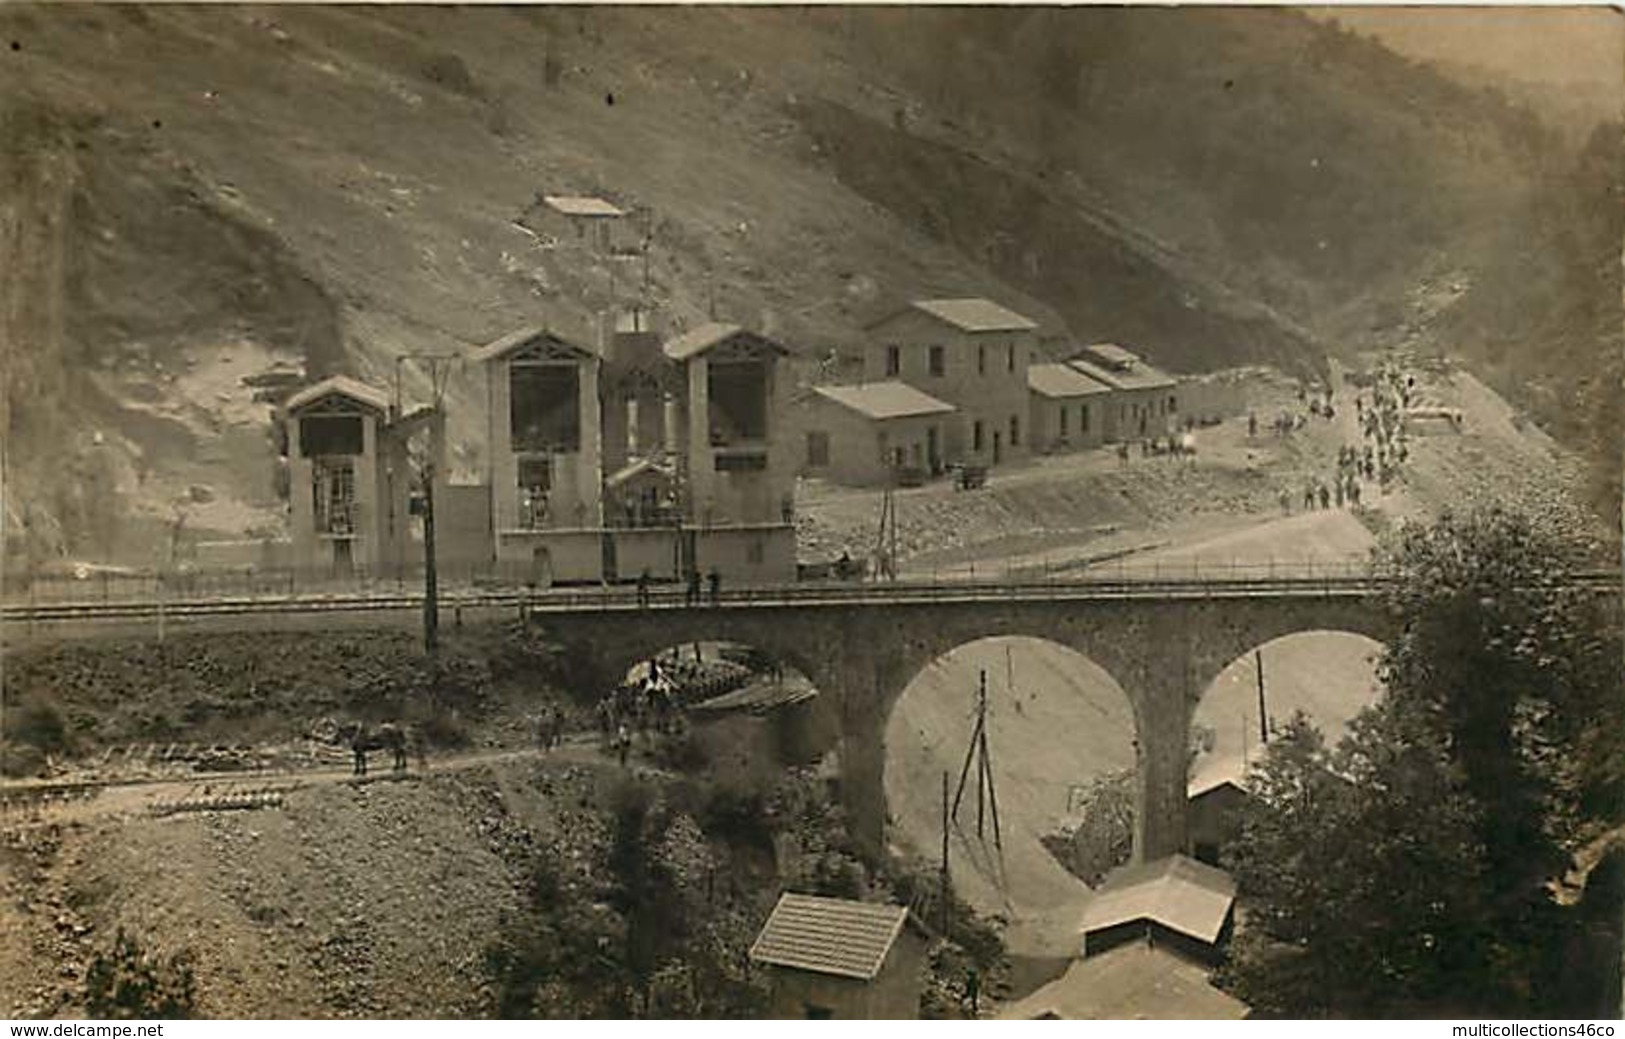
198,192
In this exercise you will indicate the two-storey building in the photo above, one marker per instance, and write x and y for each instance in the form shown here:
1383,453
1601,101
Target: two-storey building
972,354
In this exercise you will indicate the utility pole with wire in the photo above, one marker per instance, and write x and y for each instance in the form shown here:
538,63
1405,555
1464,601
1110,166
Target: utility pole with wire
439,368
1263,713
986,797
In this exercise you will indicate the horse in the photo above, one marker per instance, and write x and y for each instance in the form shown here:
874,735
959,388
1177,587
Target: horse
363,739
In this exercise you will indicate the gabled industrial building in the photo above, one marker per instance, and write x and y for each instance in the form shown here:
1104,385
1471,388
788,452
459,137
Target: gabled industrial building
348,478
544,466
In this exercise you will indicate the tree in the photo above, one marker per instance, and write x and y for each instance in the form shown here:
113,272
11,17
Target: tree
1408,870
1520,668
1362,871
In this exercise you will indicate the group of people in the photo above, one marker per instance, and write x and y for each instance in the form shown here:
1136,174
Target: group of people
1382,422
691,587
1378,460
1173,445
639,708
550,728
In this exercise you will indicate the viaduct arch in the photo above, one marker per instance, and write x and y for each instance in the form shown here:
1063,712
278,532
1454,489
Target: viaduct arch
1163,650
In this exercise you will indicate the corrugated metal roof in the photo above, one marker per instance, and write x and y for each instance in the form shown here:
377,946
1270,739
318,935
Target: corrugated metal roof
355,389
582,205
1178,892
1129,983
524,337
829,935
885,400
1140,377
976,315
1062,380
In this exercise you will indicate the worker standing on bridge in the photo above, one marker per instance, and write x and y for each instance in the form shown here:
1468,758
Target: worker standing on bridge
716,586
691,594
643,589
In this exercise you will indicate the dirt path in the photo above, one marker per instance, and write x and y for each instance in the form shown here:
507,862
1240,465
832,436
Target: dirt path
136,795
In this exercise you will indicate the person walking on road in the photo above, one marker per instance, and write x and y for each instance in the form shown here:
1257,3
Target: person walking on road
643,589
691,594
716,586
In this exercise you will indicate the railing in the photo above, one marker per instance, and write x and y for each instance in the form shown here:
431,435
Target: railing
1209,581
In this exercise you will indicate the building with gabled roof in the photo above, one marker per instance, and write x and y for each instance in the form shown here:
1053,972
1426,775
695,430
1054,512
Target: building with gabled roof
543,455
970,353
972,314
585,219
1175,902
736,460
834,958
349,479
1068,407
1216,793
1133,982
872,433
1146,399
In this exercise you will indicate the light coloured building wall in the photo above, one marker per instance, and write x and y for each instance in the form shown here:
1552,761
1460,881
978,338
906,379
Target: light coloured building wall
1137,413
546,557
654,549
1084,426
575,500
749,497
764,554
369,547
862,451
992,392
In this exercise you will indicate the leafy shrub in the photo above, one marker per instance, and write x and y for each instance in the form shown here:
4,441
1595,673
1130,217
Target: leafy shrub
128,981
42,726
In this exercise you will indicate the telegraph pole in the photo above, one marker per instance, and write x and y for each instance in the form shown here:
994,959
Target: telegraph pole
439,367
1263,716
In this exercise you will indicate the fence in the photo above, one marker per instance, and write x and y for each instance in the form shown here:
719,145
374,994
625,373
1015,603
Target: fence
147,595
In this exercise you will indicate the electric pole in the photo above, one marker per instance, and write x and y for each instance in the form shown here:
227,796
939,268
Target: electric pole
1263,715
439,368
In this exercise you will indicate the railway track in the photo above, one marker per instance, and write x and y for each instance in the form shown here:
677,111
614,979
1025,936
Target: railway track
803,595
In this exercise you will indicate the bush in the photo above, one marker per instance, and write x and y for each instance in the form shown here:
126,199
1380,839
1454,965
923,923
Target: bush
21,761
127,981
41,726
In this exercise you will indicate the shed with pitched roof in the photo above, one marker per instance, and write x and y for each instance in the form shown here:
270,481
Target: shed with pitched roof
1174,902
834,958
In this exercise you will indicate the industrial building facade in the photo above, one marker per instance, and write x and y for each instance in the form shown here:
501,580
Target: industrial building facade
622,461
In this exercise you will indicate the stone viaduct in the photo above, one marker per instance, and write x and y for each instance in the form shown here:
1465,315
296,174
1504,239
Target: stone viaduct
1164,645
